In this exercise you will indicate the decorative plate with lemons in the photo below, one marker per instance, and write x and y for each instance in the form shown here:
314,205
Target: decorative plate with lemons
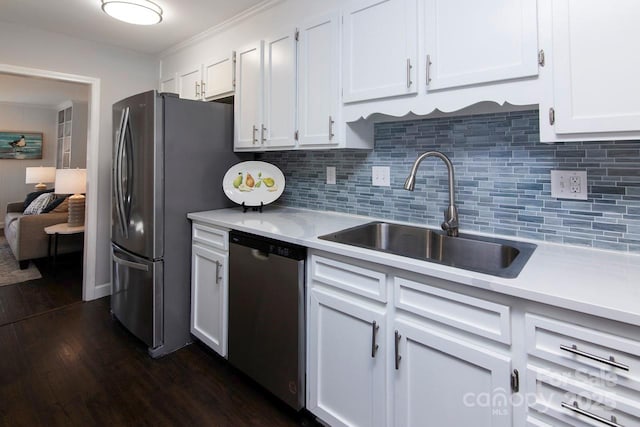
253,182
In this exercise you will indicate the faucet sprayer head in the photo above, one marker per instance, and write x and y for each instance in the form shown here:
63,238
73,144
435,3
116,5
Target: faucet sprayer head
410,183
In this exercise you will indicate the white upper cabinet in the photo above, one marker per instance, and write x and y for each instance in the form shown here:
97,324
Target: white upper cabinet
470,42
218,77
280,91
379,49
319,81
595,66
248,127
190,83
169,83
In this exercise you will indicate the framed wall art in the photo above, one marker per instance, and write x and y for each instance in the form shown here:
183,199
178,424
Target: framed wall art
20,145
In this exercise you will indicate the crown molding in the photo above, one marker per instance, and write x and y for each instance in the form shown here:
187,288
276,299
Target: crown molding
260,7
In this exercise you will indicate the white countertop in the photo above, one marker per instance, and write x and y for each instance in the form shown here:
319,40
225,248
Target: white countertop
602,283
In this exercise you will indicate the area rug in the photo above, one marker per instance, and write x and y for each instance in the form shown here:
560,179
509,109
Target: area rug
10,272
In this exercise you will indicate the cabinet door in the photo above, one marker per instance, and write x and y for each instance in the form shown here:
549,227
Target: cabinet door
444,381
190,83
595,65
248,99
346,385
280,91
169,84
379,49
209,298
218,77
318,81
492,40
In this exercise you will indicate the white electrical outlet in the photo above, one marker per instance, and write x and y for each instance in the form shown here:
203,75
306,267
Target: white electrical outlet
331,175
381,176
569,184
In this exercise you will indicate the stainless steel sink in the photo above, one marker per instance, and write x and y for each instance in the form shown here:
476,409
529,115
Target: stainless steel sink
497,257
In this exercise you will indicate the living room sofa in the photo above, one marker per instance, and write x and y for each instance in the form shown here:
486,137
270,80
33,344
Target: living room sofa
26,237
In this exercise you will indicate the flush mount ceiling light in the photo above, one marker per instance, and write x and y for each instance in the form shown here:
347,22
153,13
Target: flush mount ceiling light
139,12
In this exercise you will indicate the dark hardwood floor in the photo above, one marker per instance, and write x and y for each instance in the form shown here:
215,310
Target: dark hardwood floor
76,365
59,286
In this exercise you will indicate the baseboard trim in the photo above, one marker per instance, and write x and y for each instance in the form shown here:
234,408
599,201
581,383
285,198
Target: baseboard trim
102,290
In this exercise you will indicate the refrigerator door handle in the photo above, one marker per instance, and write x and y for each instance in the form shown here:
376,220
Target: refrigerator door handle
118,174
130,264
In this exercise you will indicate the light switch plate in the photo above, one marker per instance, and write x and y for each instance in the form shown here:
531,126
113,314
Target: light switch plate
381,176
569,184
331,175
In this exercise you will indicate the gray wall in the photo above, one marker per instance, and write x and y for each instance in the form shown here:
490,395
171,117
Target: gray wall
18,117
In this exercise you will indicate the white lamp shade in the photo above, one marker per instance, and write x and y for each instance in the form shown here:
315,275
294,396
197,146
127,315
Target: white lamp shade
71,181
138,12
40,174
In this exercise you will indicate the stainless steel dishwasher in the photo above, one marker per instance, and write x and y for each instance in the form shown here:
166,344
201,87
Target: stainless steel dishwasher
266,314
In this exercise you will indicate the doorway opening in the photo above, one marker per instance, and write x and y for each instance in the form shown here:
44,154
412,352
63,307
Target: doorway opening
92,139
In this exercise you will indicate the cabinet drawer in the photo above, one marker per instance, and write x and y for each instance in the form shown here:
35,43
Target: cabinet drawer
477,316
210,236
554,340
348,277
557,395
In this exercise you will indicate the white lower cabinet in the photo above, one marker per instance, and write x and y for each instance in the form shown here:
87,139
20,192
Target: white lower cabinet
397,363
441,380
347,367
209,289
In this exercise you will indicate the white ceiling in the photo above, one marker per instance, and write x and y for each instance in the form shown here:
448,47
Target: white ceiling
42,92
85,19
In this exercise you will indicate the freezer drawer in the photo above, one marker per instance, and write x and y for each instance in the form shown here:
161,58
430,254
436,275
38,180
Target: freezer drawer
136,295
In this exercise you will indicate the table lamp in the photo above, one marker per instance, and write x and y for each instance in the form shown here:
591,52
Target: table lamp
74,182
39,175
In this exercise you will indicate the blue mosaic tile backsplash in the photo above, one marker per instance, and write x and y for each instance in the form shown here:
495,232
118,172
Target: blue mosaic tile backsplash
503,183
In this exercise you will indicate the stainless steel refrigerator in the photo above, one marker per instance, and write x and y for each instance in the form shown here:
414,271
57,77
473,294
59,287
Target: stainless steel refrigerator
169,158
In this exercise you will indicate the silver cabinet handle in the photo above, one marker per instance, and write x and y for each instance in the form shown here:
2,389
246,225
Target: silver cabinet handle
331,122
197,89
575,408
374,331
428,69
263,130
202,88
610,361
409,82
254,129
218,267
397,347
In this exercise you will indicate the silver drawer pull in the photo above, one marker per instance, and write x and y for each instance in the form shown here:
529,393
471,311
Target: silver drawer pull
331,122
130,264
218,267
575,408
263,132
409,67
374,331
397,349
610,361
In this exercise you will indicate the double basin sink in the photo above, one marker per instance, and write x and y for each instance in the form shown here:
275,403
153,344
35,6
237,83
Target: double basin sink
497,257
